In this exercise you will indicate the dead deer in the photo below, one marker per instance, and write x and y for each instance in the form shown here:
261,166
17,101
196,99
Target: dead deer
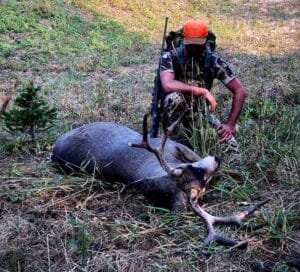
156,167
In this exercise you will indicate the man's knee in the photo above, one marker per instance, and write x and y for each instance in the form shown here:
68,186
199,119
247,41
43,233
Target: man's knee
174,100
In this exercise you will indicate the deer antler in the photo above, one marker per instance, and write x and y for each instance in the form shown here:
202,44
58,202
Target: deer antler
210,220
158,152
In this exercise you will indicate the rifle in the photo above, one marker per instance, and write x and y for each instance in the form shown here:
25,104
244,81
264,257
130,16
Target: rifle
155,111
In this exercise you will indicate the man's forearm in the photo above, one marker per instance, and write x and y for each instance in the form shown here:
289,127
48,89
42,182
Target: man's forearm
178,86
236,107
170,84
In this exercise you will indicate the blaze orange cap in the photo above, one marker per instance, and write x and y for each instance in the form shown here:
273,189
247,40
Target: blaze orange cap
195,32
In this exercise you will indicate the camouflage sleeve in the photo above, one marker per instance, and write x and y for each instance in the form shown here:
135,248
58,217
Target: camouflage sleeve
223,71
166,63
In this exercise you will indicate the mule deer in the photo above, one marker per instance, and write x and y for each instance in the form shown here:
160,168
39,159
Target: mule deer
156,167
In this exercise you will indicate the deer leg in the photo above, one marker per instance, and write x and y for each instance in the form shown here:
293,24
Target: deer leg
210,220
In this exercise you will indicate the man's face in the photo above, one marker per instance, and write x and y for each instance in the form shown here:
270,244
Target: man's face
194,50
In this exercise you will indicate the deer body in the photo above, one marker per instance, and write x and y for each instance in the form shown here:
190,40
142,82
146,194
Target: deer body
104,146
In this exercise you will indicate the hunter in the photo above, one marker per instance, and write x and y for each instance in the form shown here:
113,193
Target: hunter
187,73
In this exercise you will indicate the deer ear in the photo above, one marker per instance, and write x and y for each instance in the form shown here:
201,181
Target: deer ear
186,155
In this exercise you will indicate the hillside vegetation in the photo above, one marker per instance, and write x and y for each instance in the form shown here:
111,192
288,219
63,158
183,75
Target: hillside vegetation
96,60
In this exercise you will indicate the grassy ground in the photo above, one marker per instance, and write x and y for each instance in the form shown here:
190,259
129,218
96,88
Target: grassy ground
95,60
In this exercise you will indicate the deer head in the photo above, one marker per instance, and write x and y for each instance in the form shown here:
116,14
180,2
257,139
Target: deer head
191,177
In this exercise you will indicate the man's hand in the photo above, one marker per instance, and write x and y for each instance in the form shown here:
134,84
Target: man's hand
208,96
225,132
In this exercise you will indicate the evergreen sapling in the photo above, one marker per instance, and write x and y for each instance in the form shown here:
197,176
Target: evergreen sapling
30,113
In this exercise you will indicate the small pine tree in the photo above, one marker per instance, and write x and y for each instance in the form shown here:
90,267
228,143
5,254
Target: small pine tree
30,113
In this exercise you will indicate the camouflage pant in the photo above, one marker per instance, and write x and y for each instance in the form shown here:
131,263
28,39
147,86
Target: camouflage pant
176,104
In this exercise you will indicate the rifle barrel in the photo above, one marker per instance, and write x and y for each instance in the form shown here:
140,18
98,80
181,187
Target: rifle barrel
157,89
163,41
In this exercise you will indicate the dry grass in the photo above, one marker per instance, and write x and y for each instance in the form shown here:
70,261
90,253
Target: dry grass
79,224
257,28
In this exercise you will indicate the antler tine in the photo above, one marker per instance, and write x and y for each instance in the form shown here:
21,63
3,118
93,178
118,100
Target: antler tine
241,215
210,220
157,152
145,128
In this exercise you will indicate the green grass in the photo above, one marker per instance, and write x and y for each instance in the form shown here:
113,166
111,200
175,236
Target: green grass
48,32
